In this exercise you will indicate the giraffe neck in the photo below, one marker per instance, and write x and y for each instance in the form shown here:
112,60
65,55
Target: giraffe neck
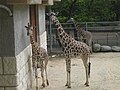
79,29
32,41
61,33
56,21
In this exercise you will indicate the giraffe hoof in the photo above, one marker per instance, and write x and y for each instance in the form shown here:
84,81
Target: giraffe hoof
66,84
43,85
36,88
86,84
69,87
47,83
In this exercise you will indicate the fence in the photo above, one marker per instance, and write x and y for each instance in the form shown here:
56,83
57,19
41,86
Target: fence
104,33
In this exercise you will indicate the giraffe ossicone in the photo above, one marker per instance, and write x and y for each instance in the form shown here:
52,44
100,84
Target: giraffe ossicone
71,48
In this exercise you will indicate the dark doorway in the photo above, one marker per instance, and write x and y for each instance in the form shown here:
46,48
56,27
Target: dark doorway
34,21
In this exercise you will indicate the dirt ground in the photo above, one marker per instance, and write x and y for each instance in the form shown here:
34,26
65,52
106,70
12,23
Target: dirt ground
105,73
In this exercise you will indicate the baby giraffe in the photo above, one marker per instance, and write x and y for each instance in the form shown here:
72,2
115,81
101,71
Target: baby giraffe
39,57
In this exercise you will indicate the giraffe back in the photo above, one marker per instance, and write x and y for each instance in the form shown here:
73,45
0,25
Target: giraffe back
39,51
75,48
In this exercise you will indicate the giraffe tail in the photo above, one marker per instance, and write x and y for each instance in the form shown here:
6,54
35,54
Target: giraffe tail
89,67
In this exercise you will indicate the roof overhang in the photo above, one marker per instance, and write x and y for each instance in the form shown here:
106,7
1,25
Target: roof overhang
42,2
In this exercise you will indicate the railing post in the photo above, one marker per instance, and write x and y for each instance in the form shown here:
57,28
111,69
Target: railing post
50,31
86,24
107,38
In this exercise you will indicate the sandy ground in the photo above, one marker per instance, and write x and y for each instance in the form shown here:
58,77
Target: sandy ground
105,73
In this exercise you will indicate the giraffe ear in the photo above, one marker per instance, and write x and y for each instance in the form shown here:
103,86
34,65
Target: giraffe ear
29,25
52,13
34,27
48,14
57,13
26,27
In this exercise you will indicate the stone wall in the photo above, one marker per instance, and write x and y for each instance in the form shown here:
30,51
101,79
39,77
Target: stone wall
6,32
16,64
21,18
15,50
16,72
43,40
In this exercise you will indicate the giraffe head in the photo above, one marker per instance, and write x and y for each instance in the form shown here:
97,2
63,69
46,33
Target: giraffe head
54,18
29,29
52,13
71,20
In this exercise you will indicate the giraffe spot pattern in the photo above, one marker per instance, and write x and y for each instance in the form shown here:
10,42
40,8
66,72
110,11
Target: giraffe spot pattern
71,47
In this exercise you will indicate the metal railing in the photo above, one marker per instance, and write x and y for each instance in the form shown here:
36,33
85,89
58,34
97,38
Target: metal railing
103,33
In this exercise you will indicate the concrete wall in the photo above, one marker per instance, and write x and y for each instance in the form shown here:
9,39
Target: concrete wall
13,37
15,48
21,18
16,72
42,31
6,32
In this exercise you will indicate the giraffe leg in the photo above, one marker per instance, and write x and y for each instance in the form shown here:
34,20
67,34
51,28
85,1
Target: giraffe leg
86,70
46,62
34,59
42,75
36,76
68,69
47,78
67,72
85,58
67,78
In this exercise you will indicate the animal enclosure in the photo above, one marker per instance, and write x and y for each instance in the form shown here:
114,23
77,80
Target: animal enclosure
105,73
104,33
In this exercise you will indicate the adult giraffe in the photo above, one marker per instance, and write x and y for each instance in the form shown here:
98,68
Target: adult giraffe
71,48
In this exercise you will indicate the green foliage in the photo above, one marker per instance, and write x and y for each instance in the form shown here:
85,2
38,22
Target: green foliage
88,10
